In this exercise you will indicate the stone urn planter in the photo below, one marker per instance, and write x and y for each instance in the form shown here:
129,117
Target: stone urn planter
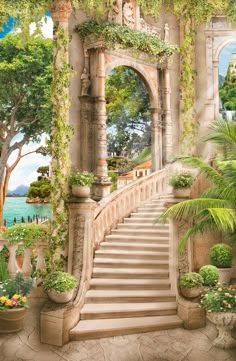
191,292
80,191
181,192
225,322
225,275
60,297
12,320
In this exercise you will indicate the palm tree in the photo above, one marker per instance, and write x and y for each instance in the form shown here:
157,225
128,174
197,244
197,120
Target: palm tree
215,208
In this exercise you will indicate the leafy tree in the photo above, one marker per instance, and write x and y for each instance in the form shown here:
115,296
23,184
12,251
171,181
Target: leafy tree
42,187
25,101
228,90
214,209
128,115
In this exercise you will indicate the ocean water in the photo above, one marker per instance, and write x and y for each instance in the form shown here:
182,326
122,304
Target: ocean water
16,207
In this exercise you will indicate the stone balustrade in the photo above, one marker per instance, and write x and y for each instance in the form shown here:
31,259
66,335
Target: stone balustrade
26,268
113,209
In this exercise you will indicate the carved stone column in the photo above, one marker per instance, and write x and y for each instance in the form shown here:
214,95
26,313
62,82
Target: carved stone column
86,133
167,116
102,185
156,133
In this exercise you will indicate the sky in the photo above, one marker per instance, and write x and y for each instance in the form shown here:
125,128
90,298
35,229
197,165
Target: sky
26,170
225,56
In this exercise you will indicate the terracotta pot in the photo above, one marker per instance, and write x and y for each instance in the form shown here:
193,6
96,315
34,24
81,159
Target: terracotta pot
62,297
225,275
191,292
19,261
181,192
81,192
12,320
225,322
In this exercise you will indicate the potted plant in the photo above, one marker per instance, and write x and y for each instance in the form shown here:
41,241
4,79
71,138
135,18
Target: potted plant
220,304
191,284
81,183
13,303
210,275
181,183
221,256
59,286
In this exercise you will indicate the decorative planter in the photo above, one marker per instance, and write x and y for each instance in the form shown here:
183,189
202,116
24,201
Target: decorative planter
225,322
225,275
81,191
181,192
12,320
191,292
62,297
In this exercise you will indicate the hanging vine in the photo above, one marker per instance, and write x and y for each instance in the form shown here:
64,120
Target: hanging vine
60,136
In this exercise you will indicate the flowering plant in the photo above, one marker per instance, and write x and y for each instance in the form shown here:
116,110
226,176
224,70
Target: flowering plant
82,178
219,299
26,233
13,292
181,180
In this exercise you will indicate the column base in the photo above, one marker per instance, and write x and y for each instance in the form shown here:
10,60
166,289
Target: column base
101,188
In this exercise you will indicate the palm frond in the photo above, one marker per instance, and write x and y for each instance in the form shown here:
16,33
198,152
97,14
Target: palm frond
223,133
224,218
190,208
212,174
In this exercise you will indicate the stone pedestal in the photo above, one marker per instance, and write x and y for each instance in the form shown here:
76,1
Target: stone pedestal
191,313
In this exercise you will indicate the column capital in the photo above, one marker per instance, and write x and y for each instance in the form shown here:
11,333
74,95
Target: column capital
61,10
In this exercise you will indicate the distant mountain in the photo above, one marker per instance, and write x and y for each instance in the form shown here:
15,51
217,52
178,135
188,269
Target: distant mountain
20,190
221,80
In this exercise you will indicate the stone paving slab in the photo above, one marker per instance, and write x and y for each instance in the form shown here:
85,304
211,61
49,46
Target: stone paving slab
169,345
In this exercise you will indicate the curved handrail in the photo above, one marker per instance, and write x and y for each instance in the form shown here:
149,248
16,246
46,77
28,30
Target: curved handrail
113,209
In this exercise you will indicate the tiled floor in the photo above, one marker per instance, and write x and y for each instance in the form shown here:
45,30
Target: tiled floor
172,345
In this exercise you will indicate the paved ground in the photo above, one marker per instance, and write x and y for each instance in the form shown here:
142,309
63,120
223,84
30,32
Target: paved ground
172,345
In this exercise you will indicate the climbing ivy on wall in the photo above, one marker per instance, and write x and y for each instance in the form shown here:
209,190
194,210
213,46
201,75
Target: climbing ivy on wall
61,134
116,35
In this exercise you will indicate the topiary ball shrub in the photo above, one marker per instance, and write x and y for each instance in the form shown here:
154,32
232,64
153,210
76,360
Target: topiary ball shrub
221,255
210,275
190,280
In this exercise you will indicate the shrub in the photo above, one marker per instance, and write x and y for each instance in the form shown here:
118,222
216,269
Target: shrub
82,179
59,281
27,233
221,255
210,275
181,180
190,280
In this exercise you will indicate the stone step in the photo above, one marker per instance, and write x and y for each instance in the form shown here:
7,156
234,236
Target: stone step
150,273
133,237
115,310
120,296
145,215
129,263
89,329
130,284
134,246
107,253
143,221
130,224
141,233
152,209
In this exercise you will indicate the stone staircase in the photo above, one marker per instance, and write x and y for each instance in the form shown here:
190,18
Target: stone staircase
130,288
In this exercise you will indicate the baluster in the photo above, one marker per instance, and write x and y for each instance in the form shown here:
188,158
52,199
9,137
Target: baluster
27,266
12,267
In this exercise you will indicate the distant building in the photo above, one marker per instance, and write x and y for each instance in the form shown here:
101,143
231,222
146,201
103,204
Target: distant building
141,170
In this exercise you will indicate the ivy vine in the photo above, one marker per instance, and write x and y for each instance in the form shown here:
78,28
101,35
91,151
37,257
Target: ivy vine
116,35
61,134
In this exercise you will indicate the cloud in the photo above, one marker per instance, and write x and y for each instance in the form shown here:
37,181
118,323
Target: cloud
26,170
46,27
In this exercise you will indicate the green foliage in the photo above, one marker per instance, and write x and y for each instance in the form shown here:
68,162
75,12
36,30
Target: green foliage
228,90
219,299
210,275
82,179
18,285
59,281
27,233
113,176
116,36
190,280
221,255
181,180
4,275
